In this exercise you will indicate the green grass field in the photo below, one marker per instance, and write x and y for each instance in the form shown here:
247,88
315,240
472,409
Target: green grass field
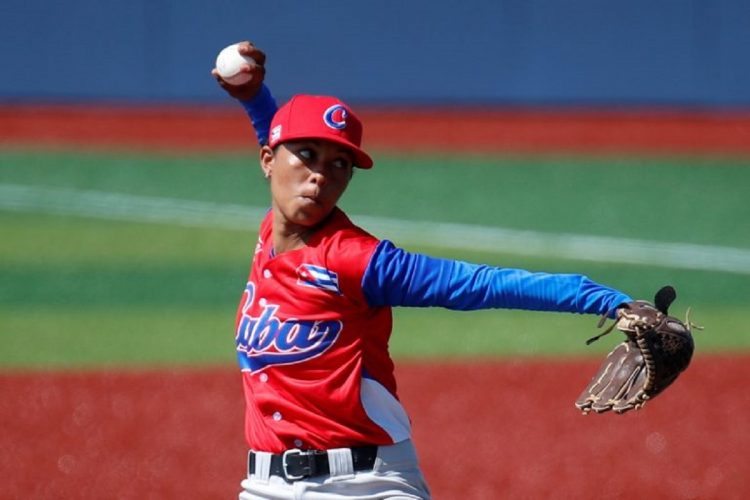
94,291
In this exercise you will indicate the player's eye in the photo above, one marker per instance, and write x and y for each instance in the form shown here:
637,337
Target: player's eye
341,163
306,154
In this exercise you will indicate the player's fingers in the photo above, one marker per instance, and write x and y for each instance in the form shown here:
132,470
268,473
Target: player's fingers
223,84
215,74
245,47
249,49
258,55
218,78
256,70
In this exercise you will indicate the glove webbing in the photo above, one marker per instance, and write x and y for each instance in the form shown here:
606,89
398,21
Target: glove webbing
648,358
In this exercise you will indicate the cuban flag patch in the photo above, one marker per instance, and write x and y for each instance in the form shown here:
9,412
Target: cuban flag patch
318,277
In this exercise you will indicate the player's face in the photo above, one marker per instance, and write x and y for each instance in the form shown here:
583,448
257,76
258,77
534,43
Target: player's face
307,179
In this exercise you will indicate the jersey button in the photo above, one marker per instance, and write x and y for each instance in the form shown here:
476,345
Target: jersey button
277,416
263,377
267,273
298,443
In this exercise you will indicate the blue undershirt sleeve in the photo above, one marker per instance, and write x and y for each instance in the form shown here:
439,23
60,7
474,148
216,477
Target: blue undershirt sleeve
395,277
261,109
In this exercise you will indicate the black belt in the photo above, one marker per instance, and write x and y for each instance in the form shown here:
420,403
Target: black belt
297,464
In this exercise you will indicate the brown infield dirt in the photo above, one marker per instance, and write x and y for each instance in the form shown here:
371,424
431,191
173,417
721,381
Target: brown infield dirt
484,430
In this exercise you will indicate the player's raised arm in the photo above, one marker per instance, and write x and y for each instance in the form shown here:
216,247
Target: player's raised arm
240,71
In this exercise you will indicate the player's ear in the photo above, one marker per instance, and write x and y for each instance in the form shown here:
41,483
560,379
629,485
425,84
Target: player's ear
266,161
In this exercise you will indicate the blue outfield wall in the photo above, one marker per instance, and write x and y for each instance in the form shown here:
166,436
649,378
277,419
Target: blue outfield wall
525,52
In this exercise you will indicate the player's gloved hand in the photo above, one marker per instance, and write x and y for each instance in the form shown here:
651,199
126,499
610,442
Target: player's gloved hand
246,91
657,348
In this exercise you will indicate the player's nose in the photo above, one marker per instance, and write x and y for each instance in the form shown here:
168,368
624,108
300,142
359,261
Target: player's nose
318,174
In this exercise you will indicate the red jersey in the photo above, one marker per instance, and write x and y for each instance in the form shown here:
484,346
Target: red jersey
313,353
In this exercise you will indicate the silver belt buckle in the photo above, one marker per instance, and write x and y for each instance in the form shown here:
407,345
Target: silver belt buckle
284,464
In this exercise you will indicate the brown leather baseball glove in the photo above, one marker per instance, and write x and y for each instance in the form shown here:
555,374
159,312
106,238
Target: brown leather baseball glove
657,348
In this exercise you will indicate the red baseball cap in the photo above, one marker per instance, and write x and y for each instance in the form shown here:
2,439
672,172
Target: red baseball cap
319,117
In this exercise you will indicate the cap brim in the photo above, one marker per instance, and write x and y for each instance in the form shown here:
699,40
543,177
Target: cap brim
361,159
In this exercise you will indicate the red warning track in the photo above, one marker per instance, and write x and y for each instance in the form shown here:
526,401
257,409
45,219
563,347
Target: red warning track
437,130
485,430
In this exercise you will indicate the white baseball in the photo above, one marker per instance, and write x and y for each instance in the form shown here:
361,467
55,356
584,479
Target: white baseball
229,63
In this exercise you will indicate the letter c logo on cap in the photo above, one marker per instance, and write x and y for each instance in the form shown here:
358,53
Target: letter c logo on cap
335,117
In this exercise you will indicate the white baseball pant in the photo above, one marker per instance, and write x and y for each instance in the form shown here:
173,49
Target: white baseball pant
395,475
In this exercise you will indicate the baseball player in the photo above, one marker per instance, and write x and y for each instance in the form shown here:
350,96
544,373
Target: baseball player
323,419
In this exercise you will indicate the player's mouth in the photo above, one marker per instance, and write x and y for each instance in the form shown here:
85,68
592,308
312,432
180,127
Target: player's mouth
312,197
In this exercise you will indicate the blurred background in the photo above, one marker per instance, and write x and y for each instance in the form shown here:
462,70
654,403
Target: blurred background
606,139
521,53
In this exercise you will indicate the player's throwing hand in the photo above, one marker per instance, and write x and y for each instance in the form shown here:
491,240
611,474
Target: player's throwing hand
248,90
